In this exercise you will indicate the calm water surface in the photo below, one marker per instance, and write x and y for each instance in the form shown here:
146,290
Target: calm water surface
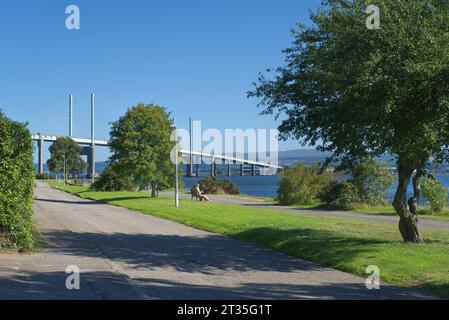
266,186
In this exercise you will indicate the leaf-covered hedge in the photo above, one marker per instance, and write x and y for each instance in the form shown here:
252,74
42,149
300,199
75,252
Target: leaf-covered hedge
16,185
213,185
113,179
303,185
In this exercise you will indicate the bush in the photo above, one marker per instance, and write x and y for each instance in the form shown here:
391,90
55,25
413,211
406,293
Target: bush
213,185
349,196
373,181
112,179
16,185
229,187
330,194
435,193
76,182
42,176
303,185
370,184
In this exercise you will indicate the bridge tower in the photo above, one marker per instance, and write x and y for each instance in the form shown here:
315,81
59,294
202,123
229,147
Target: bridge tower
89,150
92,136
40,145
190,166
70,116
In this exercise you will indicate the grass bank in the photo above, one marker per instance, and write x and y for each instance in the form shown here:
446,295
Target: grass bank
387,210
348,245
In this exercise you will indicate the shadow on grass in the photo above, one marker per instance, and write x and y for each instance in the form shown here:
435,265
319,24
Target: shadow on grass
322,246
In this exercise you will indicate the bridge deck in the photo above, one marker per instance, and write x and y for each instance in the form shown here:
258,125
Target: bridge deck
105,143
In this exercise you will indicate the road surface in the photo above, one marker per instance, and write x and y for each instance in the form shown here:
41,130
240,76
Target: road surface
127,255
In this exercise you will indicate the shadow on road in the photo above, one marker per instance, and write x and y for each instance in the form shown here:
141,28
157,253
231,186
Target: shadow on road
89,202
111,286
204,254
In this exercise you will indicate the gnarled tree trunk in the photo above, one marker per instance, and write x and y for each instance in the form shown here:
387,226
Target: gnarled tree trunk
408,223
153,190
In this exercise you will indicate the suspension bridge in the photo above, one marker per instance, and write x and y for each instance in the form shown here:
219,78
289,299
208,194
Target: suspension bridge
195,158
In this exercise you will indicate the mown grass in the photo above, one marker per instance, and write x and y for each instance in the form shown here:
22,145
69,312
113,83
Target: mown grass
386,210
348,245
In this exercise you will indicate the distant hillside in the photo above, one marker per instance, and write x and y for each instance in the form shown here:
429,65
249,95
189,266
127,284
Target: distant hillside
306,156
303,153
311,156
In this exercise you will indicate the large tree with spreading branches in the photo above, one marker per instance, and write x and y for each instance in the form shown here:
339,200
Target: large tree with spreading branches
359,91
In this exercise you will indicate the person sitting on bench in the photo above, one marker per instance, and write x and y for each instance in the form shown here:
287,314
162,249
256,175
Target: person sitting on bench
198,194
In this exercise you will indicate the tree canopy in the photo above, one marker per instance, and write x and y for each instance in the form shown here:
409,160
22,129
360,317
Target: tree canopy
141,145
65,151
359,92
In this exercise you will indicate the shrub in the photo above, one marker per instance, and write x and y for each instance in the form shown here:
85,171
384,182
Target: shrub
229,187
330,194
435,193
112,179
370,184
213,185
42,176
303,185
16,185
373,181
349,196
76,182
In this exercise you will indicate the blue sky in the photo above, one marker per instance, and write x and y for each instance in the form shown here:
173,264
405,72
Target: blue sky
197,58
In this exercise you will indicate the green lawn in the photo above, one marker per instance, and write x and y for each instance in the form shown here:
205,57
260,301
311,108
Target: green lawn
387,210
348,245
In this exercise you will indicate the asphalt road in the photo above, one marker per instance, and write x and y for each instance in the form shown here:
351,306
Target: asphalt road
127,255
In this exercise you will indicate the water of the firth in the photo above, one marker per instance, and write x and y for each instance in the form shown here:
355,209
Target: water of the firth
266,186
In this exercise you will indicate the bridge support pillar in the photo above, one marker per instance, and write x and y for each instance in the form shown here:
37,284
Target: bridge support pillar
90,153
197,169
92,162
40,145
229,169
253,170
213,170
242,169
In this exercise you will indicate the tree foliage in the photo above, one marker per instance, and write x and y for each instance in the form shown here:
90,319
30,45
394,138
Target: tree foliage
113,179
369,185
373,181
213,185
16,184
435,193
359,92
65,151
303,185
141,145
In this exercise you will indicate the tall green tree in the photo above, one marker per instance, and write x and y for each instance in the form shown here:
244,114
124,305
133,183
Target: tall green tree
362,92
65,151
141,145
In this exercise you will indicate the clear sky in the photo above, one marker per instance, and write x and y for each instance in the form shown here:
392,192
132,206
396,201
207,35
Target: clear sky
197,58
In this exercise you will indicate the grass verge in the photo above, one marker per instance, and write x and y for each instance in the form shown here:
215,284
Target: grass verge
348,245
387,210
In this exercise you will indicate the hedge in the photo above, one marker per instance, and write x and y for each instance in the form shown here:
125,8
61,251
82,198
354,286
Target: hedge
16,186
